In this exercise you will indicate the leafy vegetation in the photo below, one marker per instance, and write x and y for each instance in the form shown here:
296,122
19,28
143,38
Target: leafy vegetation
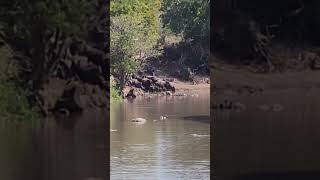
27,27
134,31
114,92
14,105
267,34
30,21
190,18
142,28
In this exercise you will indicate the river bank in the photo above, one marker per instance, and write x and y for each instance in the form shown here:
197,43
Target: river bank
167,86
280,115
234,80
230,79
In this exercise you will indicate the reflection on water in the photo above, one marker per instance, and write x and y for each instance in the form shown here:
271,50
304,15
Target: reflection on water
262,140
54,152
161,149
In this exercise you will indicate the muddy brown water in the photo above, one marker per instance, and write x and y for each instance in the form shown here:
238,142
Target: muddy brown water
175,148
261,143
52,151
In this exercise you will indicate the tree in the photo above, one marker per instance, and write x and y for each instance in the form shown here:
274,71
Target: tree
190,18
28,26
134,29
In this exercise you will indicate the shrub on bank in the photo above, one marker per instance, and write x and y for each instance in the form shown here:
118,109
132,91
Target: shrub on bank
114,92
14,105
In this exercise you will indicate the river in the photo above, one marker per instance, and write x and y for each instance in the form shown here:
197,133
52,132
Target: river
75,148
174,148
275,137
56,148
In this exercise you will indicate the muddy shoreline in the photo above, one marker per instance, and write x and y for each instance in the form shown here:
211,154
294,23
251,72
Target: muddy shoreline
234,80
177,87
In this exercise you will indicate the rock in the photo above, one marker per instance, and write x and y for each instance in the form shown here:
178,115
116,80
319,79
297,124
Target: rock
162,94
131,94
160,83
150,84
132,82
146,83
169,86
277,107
138,120
163,117
180,94
140,79
139,85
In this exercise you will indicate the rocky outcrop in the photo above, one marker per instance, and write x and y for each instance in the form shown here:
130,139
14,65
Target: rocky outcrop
76,81
73,75
151,84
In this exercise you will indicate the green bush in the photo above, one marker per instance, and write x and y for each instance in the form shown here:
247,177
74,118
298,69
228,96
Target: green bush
14,106
114,92
134,29
189,18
